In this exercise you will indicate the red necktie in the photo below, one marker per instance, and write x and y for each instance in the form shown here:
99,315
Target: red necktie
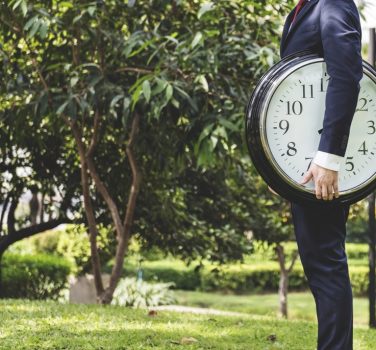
298,8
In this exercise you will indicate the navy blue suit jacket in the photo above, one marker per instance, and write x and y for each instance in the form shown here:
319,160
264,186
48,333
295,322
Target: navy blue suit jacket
332,29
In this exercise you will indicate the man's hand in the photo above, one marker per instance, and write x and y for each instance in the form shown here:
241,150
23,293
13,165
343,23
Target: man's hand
326,182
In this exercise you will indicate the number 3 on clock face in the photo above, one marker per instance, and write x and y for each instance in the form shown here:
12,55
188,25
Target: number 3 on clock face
288,108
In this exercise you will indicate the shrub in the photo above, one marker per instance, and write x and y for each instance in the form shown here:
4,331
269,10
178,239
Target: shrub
359,280
235,278
265,278
138,293
74,245
167,270
33,276
253,275
249,278
70,242
357,251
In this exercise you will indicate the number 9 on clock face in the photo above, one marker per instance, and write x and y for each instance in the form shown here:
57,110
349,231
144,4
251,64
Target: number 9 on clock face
284,123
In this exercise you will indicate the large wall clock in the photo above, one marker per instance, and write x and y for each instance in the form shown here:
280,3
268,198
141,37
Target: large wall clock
283,123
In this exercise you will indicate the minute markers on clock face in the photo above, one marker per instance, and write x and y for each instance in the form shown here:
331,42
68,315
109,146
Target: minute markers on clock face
294,119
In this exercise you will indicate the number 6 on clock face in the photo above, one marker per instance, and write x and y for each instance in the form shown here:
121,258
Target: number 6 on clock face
284,123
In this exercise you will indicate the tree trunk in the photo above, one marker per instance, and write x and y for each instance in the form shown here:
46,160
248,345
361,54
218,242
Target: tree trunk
34,208
283,290
123,239
4,209
11,218
123,230
41,214
89,210
284,278
283,281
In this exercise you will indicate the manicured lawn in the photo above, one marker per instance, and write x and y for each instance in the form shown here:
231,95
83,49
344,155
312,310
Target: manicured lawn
49,325
301,305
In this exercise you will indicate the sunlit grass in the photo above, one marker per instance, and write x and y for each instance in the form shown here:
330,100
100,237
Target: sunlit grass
50,325
301,306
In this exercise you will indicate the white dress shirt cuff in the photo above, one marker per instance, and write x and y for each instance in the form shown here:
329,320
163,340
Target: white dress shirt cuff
328,160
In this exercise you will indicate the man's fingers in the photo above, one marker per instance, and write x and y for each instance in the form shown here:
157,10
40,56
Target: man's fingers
324,192
318,191
307,177
336,190
330,193
326,182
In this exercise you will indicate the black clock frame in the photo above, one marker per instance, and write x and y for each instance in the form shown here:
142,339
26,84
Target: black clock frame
254,139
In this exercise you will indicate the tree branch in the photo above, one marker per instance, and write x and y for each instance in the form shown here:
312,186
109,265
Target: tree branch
123,241
95,136
135,171
29,231
134,69
11,219
89,210
5,207
281,257
294,257
101,187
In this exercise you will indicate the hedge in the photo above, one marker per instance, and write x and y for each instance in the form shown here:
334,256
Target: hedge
354,251
249,278
263,278
235,278
357,251
184,277
33,276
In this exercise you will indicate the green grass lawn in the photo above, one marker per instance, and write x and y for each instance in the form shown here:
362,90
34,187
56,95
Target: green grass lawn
50,325
301,305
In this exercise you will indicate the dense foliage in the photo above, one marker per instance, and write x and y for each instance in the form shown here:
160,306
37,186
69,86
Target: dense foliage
34,276
176,64
139,293
258,273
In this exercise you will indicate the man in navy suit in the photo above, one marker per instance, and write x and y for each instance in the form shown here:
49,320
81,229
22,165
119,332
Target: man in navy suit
332,29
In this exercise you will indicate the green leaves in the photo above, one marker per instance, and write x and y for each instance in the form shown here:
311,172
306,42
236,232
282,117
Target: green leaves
169,92
203,82
22,4
146,90
62,107
187,70
205,7
37,25
196,40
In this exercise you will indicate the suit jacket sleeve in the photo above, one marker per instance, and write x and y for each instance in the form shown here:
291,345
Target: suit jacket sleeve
341,41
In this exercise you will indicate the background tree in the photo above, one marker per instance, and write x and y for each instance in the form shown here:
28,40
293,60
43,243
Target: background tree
33,160
158,84
271,225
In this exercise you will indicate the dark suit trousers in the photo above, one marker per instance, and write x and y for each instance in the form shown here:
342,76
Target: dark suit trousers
320,232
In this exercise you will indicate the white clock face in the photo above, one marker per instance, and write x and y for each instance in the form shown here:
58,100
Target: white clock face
293,121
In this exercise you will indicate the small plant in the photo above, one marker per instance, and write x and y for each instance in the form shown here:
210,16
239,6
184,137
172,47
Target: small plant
138,293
